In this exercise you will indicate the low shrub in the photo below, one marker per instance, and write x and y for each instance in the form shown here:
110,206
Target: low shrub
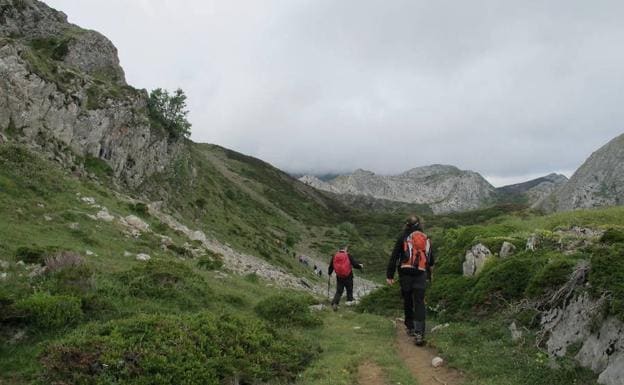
504,280
73,280
198,349
63,260
46,311
34,254
288,309
448,293
607,276
385,301
211,261
552,276
612,236
167,280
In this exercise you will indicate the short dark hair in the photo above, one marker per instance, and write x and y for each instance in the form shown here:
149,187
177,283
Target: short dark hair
413,222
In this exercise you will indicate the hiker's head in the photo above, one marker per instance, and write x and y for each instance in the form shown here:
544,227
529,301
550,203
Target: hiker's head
413,222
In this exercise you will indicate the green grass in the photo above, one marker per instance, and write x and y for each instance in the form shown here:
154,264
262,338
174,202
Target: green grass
349,339
484,350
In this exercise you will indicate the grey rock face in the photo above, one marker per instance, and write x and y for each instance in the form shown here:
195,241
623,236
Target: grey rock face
88,51
443,188
598,182
53,117
537,190
601,351
475,259
507,250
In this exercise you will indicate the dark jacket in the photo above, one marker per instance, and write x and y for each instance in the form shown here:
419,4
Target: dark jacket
354,263
397,256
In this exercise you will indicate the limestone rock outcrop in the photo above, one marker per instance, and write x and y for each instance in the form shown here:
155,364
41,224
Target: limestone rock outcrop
63,92
443,188
475,259
598,182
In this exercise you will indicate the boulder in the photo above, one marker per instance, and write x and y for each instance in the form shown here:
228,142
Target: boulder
143,257
104,215
436,362
475,259
88,200
532,242
136,223
516,334
507,250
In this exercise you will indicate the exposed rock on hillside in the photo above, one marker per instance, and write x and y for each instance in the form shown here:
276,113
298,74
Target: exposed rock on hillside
536,190
443,188
598,182
61,87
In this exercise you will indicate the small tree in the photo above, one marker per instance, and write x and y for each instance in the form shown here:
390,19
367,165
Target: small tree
169,112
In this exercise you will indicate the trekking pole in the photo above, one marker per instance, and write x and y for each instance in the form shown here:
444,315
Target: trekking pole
328,283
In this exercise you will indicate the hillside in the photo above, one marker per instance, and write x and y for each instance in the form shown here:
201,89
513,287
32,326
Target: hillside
443,188
598,182
533,192
129,255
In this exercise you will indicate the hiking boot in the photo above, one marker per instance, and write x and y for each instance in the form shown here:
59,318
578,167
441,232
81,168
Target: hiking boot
411,332
419,339
335,307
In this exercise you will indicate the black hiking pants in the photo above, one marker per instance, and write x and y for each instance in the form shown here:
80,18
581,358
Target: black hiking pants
341,284
413,293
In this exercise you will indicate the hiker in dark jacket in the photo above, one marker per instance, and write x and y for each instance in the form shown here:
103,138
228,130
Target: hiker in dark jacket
413,275
344,275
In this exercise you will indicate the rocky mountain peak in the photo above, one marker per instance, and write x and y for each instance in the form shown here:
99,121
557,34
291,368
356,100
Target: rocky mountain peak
41,25
443,188
598,182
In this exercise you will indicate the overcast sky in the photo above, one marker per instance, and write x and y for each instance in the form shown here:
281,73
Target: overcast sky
511,89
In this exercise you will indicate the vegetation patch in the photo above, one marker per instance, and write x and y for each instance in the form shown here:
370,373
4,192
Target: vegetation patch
194,349
607,276
288,309
46,311
385,301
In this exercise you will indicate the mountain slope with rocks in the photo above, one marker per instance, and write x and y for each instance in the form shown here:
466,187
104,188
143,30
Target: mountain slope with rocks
443,188
534,191
598,182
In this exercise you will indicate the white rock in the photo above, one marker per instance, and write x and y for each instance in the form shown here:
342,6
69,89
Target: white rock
3,276
136,223
40,205
436,362
88,200
143,257
318,307
197,236
128,254
439,327
47,218
74,226
507,250
104,215
20,263
89,253
516,334
475,259
4,264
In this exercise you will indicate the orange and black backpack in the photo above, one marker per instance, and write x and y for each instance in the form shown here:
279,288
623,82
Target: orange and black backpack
416,251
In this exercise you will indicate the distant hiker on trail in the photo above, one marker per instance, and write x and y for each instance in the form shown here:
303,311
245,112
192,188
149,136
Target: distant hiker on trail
343,263
413,258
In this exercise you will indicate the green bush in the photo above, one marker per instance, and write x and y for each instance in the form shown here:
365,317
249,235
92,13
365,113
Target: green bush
607,276
612,236
98,166
212,261
168,112
197,349
385,301
448,293
552,276
47,311
288,309
504,280
34,254
72,280
167,280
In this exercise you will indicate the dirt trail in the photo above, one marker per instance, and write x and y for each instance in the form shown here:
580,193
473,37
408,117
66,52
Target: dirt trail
418,360
369,373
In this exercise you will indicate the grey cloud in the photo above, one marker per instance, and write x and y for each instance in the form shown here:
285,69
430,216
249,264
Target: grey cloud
509,89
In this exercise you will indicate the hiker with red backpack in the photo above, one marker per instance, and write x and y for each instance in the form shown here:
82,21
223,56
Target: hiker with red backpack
343,263
413,258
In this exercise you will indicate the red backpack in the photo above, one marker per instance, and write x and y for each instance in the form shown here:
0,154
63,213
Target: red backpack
342,264
416,251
